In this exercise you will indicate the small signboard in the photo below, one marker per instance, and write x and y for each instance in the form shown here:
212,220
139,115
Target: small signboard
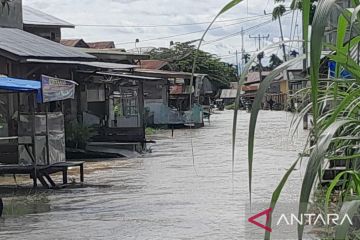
56,89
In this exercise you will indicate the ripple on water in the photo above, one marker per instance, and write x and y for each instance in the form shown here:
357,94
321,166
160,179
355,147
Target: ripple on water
164,196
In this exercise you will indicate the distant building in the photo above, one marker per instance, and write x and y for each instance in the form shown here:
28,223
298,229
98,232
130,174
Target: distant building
154,65
43,25
331,29
79,43
102,45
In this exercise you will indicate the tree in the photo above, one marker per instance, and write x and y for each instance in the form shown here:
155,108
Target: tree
297,5
260,57
181,55
275,61
246,57
277,13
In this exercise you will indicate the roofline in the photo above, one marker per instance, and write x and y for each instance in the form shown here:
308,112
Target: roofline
47,25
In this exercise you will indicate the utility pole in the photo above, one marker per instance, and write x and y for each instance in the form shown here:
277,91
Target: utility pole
259,38
242,49
282,39
237,63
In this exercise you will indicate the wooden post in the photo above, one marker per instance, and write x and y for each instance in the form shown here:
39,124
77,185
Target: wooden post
306,121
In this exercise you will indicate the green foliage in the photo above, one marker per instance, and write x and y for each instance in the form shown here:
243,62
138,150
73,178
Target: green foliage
181,56
77,135
335,105
150,131
278,12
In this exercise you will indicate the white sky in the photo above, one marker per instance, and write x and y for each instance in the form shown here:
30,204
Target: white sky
166,12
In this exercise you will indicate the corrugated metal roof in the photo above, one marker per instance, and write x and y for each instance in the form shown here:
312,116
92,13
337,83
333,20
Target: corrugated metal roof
74,43
128,76
102,45
228,93
33,16
23,44
170,74
104,65
153,64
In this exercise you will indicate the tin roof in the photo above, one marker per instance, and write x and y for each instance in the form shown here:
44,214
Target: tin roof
102,45
153,64
32,16
103,65
166,74
27,45
74,43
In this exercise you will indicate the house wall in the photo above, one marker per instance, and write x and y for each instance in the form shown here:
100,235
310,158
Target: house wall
51,33
331,30
284,86
12,16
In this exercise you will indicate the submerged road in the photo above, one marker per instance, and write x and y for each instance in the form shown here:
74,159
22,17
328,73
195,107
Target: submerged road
163,195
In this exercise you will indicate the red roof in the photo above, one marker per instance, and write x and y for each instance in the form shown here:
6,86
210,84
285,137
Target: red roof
102,45
153,64
250,88
74,43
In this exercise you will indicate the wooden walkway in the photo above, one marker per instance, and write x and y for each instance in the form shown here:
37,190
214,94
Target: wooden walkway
43,173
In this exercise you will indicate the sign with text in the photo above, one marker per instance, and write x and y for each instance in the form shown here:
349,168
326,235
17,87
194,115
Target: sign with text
56,89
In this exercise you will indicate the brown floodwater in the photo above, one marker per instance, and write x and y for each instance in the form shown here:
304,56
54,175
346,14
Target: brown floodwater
163,195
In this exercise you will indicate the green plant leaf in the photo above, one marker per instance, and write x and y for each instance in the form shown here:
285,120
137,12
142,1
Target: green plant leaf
227,7
332,186
316,45
264,85
349,208
276,195
313,166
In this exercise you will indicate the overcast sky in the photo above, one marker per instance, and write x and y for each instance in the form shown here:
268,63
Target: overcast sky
167,12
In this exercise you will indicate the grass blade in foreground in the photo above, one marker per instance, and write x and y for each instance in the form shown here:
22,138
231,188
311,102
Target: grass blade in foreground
313,166
264,85
227,7
349,208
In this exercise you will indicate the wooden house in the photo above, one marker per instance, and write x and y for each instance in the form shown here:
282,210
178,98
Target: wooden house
168,100
42,24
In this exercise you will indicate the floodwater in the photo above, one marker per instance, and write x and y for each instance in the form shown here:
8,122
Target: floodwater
172,193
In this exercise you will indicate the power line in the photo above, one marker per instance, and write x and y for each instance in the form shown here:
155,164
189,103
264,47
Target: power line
238,33
163,25
155,25
189,33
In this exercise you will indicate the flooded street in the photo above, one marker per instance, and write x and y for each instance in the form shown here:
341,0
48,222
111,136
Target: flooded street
163,195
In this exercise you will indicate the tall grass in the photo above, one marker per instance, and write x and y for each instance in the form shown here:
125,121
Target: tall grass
334,105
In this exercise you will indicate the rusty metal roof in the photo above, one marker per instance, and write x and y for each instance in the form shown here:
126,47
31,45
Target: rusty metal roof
74,43
32,16
26,45
102,45
153,64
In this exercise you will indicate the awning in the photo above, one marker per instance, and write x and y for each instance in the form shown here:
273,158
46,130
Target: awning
103,65
19,85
